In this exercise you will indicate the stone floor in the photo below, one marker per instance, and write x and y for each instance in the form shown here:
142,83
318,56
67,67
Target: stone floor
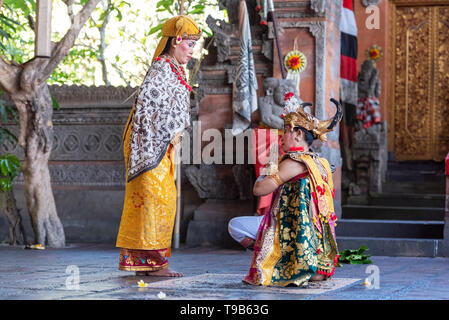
210,273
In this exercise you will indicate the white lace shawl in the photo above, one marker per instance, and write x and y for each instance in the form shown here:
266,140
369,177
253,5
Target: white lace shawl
160,112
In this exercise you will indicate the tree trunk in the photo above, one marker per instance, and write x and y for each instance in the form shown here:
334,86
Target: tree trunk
16,230
36,139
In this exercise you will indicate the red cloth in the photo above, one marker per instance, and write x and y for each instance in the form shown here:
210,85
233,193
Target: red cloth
347,4
447,165
348,68
262,140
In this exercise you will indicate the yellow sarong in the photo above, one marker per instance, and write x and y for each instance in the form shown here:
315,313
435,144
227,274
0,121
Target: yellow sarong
149,211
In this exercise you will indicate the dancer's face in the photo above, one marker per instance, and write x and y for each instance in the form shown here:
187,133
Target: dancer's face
183,51
291,139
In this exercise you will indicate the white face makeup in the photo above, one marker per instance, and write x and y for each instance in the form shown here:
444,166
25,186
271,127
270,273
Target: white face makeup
183,51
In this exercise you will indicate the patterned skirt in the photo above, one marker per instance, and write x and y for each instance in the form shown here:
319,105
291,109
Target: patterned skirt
289,249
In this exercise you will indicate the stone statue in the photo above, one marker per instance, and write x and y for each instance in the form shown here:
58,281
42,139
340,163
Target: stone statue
272,104
368,81
370,140
223,33
369,87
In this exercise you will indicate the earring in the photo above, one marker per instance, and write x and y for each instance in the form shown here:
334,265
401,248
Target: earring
178,40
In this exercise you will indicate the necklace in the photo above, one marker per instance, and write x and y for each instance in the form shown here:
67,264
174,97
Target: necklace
177,70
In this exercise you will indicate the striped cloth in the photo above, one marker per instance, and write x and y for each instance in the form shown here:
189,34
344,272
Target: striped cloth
348,63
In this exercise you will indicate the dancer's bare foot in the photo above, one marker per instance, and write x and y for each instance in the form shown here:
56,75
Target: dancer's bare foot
318,277
164,273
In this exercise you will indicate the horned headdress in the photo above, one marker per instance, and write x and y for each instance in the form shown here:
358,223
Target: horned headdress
295,115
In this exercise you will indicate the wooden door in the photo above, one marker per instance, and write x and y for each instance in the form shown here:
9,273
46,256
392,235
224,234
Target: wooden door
420,80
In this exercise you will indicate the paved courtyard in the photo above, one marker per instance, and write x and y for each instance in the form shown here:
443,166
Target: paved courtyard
210,273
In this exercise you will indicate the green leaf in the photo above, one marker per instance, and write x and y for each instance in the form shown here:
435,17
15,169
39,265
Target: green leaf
4,184
362,249
119,14
355,257
196,11
155,29
55,103
3,167
355,262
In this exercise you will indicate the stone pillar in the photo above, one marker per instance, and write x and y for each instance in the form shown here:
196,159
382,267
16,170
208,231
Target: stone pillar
315,25
43,28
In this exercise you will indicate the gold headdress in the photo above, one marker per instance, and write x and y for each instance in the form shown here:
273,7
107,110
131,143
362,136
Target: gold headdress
295,116
180,28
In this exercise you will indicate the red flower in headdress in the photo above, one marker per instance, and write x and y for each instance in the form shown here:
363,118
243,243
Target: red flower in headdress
258,8
264,23
288,95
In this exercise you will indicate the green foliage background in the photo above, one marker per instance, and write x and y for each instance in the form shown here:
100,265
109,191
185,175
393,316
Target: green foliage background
132,29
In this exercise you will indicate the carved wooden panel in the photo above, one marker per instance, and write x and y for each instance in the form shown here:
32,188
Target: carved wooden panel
420,82
441,69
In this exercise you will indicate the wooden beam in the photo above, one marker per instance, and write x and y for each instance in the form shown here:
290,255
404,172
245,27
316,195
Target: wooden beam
43,29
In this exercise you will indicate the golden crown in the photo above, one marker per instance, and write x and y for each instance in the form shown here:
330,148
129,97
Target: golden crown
295,115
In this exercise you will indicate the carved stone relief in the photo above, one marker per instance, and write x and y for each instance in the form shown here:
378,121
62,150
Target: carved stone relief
271,105
223,33
80,143
206,183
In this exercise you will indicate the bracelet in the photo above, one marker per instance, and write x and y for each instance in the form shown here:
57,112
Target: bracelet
275,177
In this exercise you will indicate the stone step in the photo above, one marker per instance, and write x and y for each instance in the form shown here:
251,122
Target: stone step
436,187
350,211
408,200
390,229
415,166
407,247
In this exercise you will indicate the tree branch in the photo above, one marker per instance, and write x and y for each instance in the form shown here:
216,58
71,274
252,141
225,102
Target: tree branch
69,4
9,76
63,47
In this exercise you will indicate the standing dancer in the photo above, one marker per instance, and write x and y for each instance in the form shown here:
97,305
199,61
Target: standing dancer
154,128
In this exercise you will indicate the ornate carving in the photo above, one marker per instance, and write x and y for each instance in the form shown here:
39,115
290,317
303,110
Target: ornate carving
441,71
412,83
223,33
98,96
206,183
84,175
271,105
79,143
319,6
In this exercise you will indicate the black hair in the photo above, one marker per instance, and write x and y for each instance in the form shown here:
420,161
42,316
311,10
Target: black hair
308,135
167,46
